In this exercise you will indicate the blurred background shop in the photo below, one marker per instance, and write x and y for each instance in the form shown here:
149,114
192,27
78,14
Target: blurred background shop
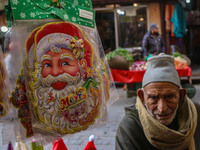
123,23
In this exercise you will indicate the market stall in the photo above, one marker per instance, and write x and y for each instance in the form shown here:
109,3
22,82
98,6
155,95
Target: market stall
132,77
137,69
133,80
126,76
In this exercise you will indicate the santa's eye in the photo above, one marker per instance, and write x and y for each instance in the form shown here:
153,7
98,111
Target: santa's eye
47,65
64,63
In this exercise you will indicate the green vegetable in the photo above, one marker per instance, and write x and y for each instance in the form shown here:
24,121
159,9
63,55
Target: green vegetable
121,52
176,54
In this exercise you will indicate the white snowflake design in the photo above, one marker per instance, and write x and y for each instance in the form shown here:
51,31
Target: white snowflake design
53,12
86,2
32,14
63,4
74,19
22,15
46,5
15,2
65,16
76,2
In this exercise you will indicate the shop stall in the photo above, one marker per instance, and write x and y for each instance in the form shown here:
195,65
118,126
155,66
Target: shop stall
126,76
133,80
132,77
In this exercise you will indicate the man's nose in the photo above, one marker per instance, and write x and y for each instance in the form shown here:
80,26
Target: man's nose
56,71
162,106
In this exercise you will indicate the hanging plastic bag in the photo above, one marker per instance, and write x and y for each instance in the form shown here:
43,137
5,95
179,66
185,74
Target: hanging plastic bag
4,85
67,89
62,82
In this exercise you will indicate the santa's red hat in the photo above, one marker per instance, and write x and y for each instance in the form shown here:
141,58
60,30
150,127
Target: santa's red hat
30,48
59,145
90,145
30,40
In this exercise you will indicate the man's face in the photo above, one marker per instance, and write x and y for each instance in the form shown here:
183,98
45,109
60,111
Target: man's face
162,100
155,31
55,64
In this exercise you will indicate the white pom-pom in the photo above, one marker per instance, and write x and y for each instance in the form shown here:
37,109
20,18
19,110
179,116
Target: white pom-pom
91,138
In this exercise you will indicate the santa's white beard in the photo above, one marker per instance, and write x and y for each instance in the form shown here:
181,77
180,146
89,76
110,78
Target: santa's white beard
49,111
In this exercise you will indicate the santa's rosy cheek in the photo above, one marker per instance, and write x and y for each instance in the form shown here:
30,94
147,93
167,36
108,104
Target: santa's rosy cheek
45,72
72,70
46,68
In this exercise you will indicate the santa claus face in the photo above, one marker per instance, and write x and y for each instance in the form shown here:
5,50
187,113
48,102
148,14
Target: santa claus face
55,64
63,103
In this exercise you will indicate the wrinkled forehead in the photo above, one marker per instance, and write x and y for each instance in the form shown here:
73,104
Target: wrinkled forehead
160,87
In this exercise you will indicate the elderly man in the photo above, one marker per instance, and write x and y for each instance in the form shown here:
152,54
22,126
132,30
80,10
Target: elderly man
164,117
153,42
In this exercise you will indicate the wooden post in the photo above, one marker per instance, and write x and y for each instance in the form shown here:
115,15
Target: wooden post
154,14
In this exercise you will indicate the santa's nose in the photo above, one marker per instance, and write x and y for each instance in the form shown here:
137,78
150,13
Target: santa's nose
56,71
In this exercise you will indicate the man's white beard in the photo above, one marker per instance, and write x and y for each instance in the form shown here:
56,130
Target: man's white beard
49,111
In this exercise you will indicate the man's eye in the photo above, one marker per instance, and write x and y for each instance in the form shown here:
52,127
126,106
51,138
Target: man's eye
154,97
47,65
169,96
64,63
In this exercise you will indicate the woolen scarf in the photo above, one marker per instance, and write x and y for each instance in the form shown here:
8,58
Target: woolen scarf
164,138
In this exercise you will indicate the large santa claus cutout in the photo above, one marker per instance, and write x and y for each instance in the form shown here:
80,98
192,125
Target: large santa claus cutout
67,90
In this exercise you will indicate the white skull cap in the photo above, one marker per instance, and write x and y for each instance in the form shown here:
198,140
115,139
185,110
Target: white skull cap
161,68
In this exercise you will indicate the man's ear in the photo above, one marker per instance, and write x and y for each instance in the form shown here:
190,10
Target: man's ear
83,63
140,94
182,93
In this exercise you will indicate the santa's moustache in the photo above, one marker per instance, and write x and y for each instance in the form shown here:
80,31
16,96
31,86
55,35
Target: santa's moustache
65,77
